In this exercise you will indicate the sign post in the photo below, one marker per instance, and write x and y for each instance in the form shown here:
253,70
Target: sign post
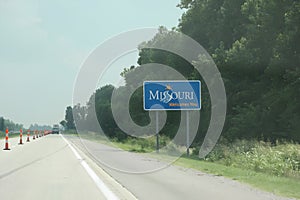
187,133
157,131
172,95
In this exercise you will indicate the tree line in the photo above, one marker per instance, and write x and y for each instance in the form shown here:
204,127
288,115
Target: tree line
255,45
6,123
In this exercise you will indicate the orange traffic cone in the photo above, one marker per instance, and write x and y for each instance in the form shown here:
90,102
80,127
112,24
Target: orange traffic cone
34,135
6,141
21,135
28,135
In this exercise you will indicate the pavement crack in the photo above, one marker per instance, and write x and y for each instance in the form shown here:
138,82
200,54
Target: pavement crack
31,163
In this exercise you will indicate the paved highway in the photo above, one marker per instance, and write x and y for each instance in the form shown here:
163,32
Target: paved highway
48,169
54,168
168,183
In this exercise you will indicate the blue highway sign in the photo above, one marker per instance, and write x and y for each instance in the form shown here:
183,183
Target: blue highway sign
172,95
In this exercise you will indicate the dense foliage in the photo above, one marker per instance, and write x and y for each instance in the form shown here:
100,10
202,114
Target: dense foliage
283,159
6,123
255,44
68,122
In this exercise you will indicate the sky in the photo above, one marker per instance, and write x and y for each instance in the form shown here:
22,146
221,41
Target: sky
44,43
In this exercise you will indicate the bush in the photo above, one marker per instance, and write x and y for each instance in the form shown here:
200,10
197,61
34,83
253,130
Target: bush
281,159
172,149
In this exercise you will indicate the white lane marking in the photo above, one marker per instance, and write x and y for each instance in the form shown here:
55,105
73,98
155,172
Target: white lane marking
100,184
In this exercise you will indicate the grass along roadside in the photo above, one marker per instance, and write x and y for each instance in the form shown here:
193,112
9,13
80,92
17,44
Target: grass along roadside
287,186
282,186
11,135
279,185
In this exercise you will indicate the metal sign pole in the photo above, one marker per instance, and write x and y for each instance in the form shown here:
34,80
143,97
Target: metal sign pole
154,100
157,135
187,133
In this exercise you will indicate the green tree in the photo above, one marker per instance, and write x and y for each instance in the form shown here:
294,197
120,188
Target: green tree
63,123
100,102
255,44
69,118
2,124
11,125
103,110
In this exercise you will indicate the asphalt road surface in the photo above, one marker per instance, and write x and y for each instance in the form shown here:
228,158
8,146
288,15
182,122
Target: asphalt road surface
48,169
169,182
55,168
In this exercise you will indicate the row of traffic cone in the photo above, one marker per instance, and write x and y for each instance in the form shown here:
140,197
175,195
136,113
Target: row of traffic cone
35,135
